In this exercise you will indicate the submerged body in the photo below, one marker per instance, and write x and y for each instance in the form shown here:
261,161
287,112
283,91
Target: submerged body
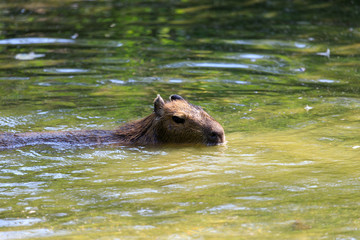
88,137
175,121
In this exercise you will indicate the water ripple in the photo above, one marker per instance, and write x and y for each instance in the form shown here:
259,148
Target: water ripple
24,41
65,70
225,65
221,208
45,40
31,233
19,222
206,65
13,121
267,42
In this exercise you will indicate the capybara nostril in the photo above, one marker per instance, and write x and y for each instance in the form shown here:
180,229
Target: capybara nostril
216,137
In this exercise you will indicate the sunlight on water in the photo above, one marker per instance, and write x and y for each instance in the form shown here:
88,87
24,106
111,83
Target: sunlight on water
20,41
65,70
35,41
272,43
220,65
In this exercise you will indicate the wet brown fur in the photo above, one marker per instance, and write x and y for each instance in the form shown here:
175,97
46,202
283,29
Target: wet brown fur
160,127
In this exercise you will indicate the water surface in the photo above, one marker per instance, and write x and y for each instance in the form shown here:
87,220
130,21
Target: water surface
281,77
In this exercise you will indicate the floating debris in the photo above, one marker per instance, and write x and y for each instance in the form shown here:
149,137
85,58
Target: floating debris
28,56
302,69
308,108
75,36
325,54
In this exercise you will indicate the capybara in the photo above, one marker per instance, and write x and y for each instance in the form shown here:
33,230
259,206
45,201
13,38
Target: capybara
175,121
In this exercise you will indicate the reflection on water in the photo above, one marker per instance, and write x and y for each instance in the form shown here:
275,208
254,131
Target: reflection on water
281,77
58,41
20,41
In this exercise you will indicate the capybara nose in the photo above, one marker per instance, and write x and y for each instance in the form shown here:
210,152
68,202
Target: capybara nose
216,137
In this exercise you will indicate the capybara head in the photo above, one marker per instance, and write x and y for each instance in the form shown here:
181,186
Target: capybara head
178,121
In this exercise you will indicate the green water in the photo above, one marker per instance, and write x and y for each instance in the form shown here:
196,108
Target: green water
290,110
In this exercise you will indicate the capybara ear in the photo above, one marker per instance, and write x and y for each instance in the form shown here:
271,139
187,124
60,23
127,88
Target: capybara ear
175,97
158,105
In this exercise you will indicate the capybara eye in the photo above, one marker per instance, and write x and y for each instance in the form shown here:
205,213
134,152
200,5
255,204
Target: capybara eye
178,119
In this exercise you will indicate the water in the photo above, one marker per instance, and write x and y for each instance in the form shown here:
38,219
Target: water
281,77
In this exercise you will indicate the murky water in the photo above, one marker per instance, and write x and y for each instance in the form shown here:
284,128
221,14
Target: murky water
282,77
